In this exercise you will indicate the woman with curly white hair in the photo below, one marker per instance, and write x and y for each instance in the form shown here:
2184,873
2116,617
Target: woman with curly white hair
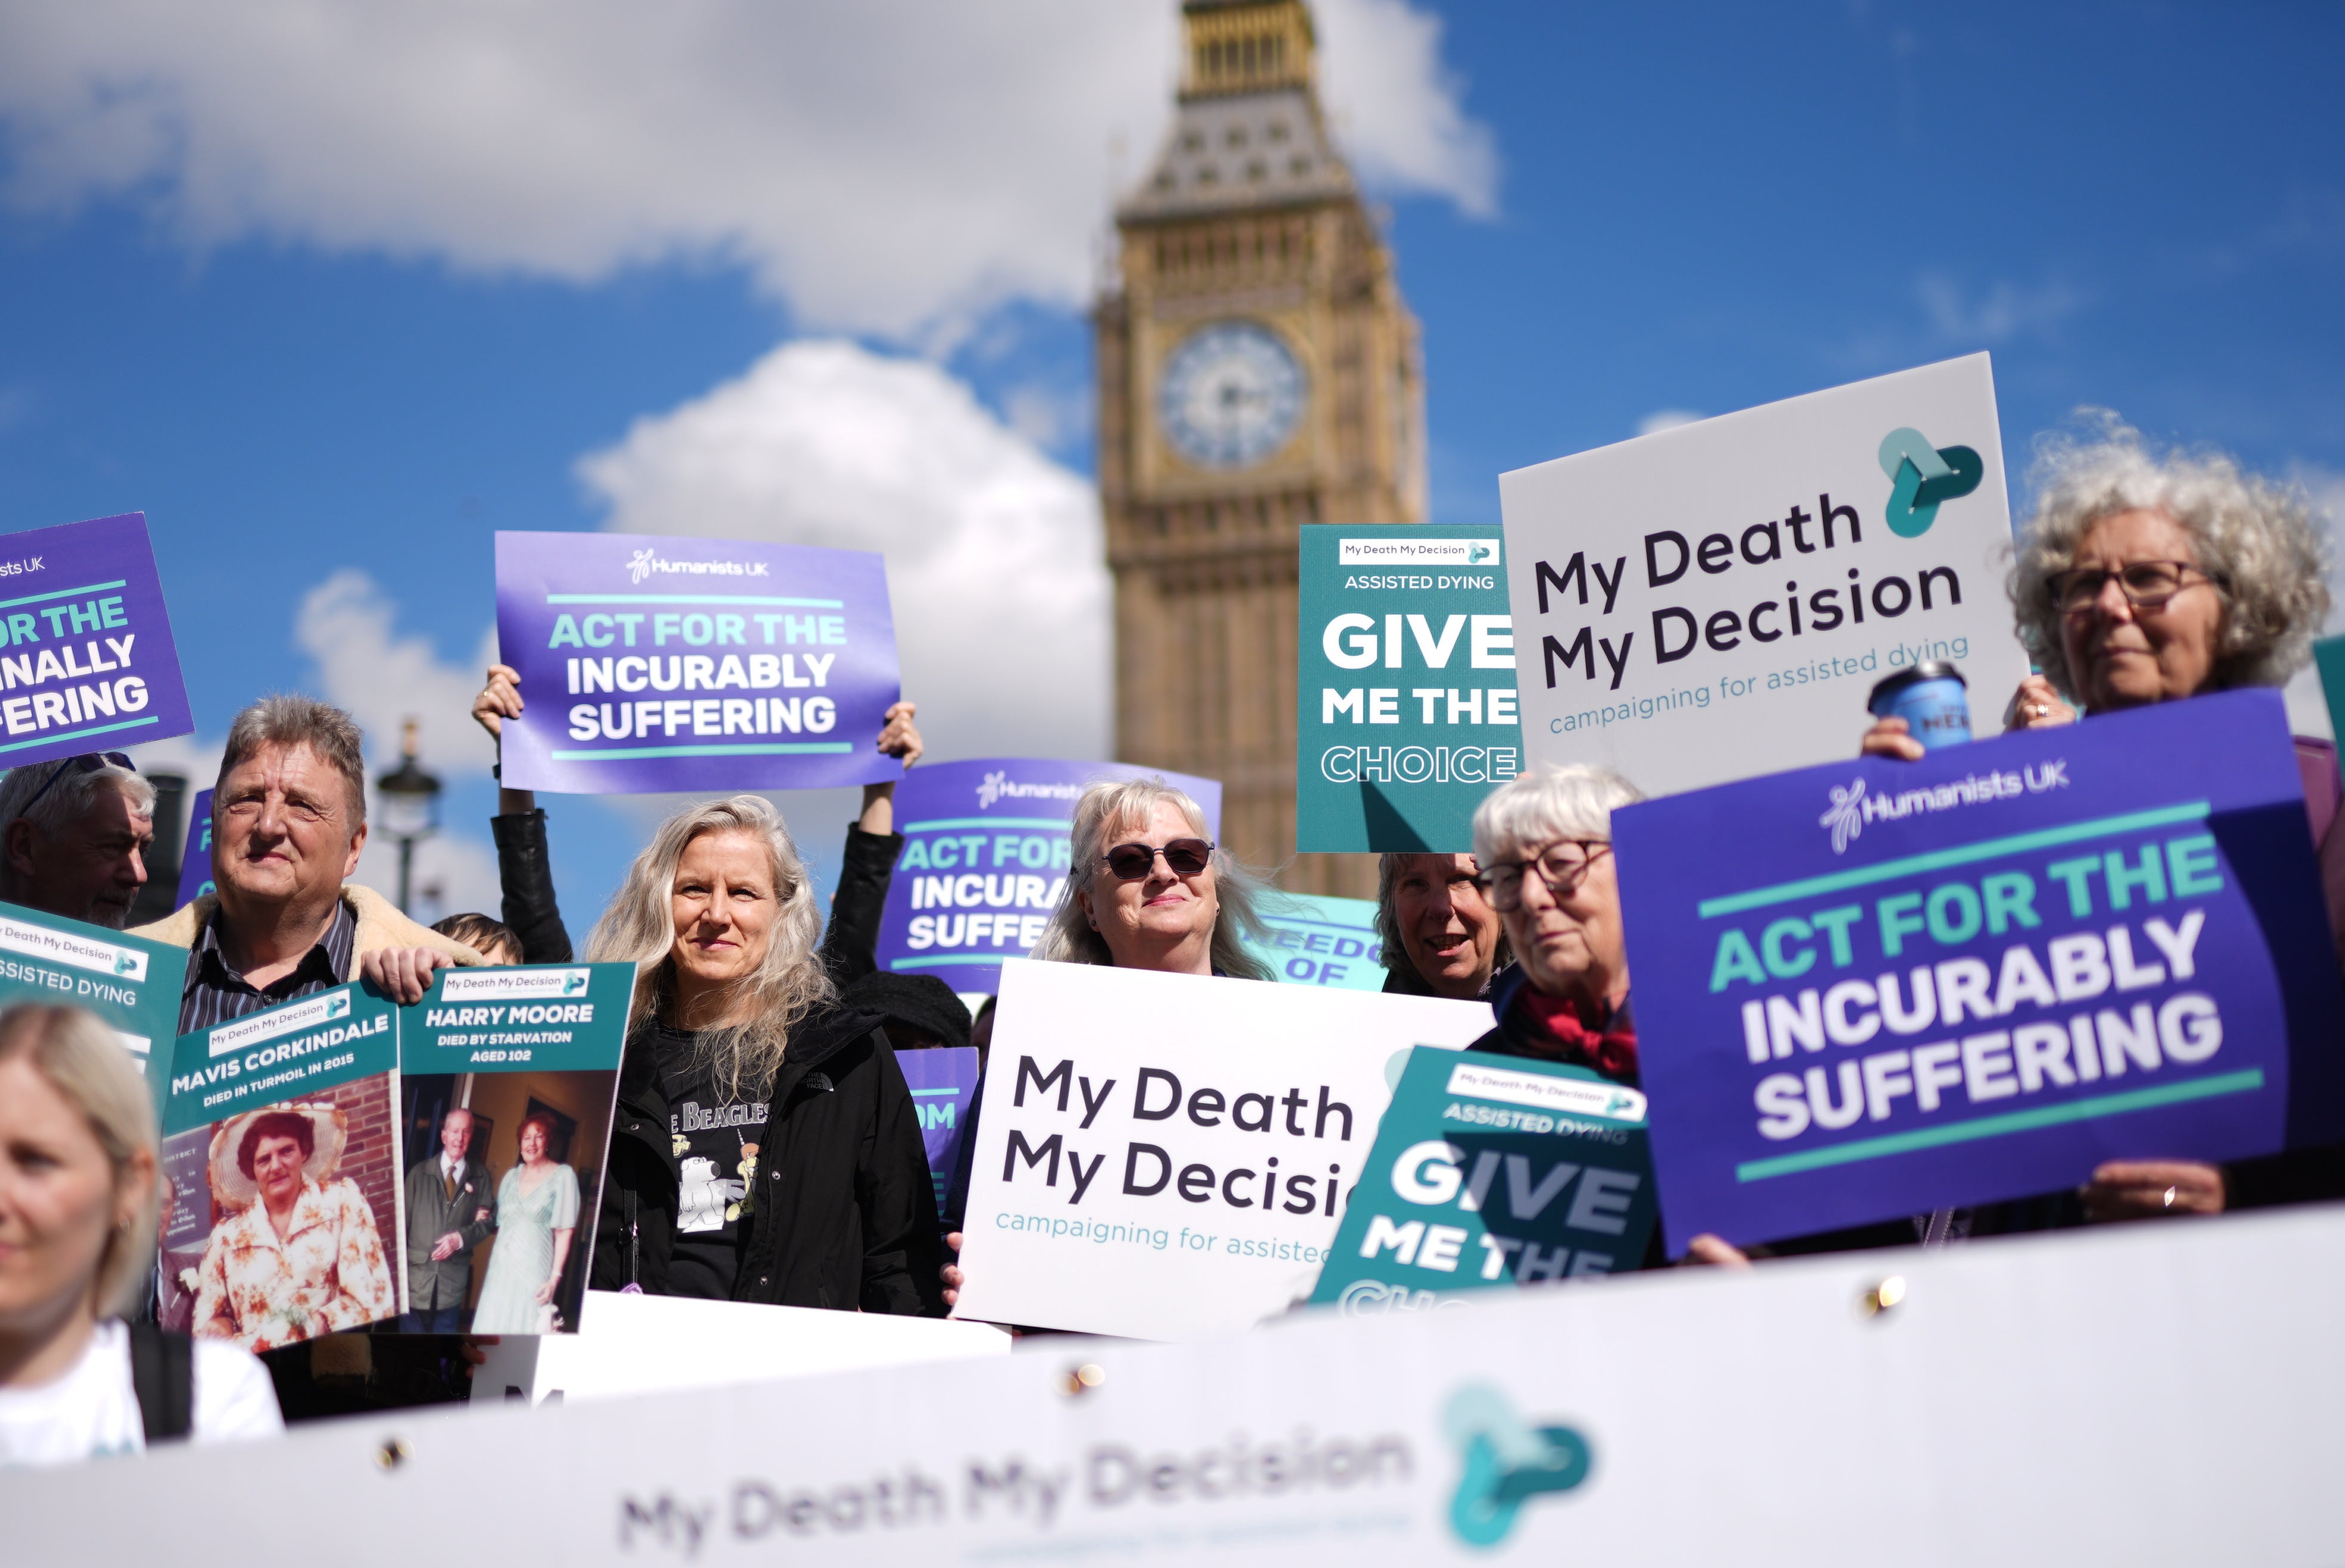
766,1146
2146,578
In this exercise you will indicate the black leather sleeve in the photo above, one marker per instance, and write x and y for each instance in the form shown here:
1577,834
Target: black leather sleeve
850,944
528,878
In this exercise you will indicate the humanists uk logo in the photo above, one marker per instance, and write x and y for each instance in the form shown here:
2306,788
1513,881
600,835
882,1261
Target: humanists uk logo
1921,476
648,562
1852,806
1506,1463
998,786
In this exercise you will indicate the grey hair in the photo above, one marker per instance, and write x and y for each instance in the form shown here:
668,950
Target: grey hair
287,720
638,928
1537,808
65,801
1125,806
1391,940
2259,541
85,1062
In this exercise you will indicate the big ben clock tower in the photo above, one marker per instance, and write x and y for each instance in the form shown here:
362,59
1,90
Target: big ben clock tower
1257,370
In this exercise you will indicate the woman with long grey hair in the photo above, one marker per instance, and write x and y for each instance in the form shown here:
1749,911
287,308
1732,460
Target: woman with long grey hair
766,1148
2146,577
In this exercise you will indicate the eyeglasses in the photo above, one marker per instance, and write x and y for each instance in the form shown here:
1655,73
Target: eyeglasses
88,763
2146,584
1131,861
1560,864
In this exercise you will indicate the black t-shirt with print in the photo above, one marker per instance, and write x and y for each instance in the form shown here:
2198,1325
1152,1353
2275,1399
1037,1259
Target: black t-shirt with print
716,1144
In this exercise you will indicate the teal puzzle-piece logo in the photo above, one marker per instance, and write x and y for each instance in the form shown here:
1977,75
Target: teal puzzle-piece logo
1921,476
1506,1463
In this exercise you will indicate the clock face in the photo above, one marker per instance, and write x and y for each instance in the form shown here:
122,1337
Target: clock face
1231,395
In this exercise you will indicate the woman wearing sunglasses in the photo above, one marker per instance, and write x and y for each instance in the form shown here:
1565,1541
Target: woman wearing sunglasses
2144,580
1150,890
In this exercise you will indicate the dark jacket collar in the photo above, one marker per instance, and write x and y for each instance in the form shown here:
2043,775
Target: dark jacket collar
819,1036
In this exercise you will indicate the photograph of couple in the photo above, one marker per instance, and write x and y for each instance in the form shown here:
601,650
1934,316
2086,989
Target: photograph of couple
497,1215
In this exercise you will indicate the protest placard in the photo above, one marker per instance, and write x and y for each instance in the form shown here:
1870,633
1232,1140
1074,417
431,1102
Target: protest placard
284,1123
986,859
1490,1171
943,1081
2004,1406
655,663
1879,988
130,981
496,1065
1167,1155
1317,939
1717,600
195,859
87,659
1405,692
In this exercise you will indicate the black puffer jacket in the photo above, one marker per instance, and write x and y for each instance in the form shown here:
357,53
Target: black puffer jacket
846,1215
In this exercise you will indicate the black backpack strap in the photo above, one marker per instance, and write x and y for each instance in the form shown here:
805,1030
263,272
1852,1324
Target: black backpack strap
163,1374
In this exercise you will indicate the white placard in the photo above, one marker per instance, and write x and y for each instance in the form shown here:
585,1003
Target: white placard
1098,1201
634,1344
1682,601
2161,1393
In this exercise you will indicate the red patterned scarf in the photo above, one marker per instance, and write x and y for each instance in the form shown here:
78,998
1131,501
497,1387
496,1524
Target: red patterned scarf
1609,1045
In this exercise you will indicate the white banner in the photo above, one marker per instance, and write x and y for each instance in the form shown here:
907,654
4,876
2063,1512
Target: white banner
1716,601
2150,1394
1166,1156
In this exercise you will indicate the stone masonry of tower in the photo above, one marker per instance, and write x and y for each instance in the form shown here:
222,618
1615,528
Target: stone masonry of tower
1258,370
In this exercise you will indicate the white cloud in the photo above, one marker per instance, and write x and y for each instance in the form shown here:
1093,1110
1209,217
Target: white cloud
995,563
882,167
2000,312
347,626
1661,420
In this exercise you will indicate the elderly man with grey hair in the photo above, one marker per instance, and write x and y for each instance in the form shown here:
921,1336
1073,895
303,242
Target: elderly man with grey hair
289,822
74,837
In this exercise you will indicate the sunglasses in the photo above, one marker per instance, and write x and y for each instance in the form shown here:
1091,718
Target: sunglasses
88,763
1131,861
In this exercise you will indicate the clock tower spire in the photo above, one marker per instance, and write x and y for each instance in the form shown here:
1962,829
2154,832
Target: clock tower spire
1257,370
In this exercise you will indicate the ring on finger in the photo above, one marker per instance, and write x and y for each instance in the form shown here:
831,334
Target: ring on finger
2169,1197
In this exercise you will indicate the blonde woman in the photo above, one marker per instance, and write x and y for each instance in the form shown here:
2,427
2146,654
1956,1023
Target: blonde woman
1147,888
766,1146
79,1208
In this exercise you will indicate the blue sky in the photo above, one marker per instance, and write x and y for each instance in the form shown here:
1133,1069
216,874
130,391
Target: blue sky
309,338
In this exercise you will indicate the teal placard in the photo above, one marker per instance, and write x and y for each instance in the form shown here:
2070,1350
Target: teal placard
1404,689
1490,1171
282,1053
131,983
1316,939
2328,659
537,1018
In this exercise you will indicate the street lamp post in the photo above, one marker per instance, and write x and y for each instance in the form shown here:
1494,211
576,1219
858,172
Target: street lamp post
408,803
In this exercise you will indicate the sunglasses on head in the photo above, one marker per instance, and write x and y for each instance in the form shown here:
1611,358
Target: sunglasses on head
1131,861
88,763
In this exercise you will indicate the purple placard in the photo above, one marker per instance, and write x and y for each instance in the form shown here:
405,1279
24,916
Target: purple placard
195,859
943,1081
652,663
1877,988
87,660
987,852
